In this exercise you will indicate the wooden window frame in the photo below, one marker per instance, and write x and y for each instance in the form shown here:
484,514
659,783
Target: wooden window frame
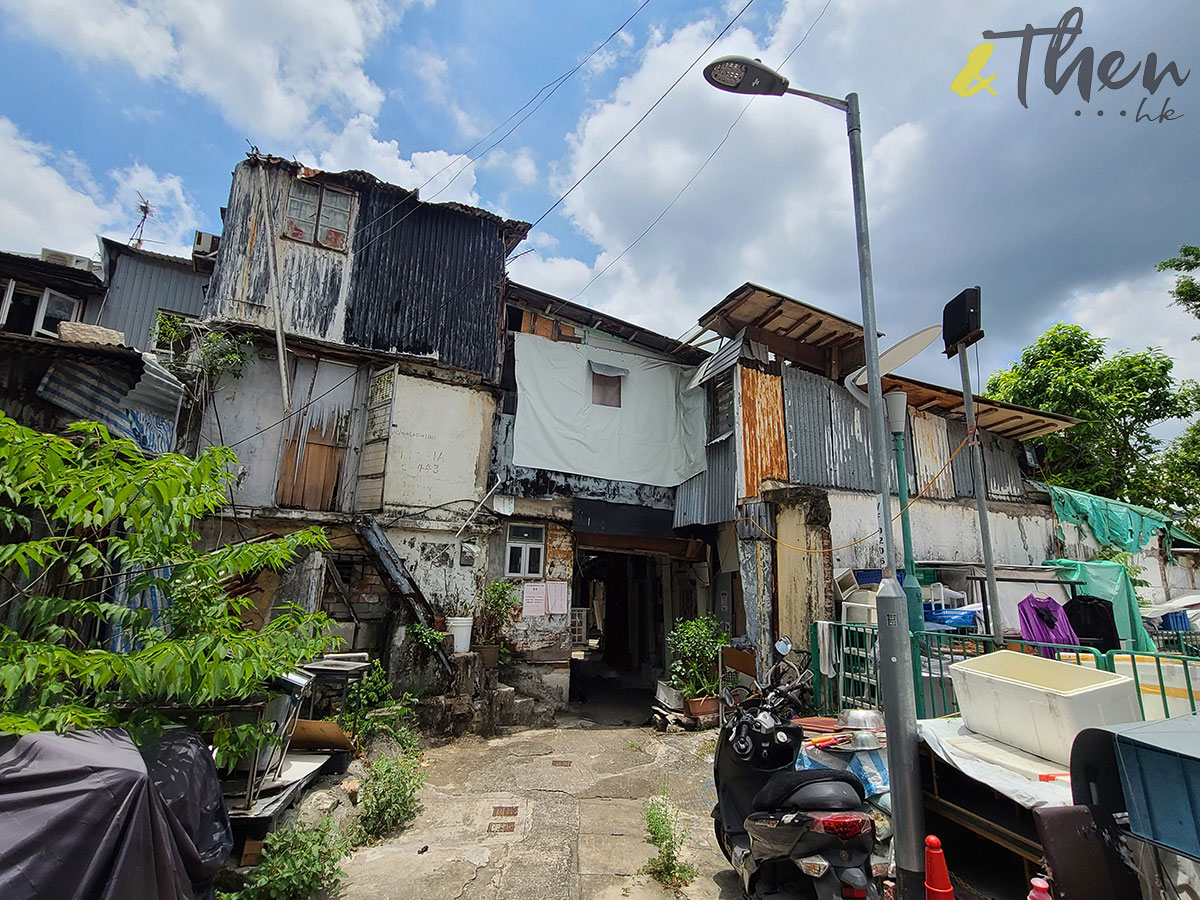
319,223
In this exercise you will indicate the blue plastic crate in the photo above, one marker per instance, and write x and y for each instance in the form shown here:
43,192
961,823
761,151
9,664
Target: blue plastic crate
1159,764
1176,621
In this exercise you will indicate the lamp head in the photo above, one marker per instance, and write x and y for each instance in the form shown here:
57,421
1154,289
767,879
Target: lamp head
743,75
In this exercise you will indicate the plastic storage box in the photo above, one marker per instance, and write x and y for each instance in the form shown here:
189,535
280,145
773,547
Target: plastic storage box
1037,704
1159,764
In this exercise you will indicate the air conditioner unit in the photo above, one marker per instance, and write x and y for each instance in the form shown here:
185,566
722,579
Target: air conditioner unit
70,260
204,244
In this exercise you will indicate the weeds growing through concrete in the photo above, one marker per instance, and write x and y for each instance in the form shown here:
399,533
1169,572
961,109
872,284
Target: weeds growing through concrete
662,823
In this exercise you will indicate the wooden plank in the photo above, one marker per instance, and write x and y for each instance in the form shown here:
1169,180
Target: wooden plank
316,734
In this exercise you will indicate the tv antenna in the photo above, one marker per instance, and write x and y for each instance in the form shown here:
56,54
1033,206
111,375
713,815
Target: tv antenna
147,211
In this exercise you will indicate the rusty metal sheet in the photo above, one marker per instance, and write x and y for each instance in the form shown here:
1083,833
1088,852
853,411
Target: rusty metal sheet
931,448
763,436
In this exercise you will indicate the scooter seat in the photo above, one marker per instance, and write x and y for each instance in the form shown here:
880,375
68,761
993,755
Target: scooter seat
782,784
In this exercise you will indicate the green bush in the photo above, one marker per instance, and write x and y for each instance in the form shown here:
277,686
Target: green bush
298,863
372,710
498,603
694,645
424,636
389,798
662,824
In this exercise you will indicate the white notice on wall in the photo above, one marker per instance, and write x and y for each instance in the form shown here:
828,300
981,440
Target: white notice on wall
558,599
534,599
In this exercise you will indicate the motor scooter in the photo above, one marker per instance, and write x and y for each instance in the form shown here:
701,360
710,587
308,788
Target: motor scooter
787,833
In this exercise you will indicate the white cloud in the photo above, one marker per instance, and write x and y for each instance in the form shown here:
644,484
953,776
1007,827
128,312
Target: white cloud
357,147
268,67
52,200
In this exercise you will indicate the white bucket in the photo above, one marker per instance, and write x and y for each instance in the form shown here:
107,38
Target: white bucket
460,627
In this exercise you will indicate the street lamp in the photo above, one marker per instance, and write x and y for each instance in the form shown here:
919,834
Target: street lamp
742,75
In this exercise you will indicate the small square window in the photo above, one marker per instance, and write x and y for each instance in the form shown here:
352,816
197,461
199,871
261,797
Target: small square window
526,551
35,312
606,390
317,214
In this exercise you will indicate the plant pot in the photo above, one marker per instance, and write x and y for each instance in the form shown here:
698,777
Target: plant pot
702,706
668,696
439,623
489,654
460,627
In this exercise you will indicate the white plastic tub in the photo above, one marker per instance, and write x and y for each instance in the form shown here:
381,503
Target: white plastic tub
460,627
1038,704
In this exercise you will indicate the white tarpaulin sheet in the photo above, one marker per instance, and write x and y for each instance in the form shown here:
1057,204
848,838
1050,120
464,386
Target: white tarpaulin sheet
656,436
1011,771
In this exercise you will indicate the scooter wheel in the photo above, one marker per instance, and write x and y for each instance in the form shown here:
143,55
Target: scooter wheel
722,839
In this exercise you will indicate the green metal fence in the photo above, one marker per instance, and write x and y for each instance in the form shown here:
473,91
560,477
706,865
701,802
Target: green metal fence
1167,684
1185,643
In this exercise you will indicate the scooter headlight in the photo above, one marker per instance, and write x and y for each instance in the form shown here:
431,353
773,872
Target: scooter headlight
814,866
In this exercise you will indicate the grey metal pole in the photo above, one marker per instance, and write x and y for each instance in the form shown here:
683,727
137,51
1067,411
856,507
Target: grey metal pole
896,687
980,483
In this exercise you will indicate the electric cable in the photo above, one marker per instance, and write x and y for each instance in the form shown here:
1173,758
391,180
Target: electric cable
703,166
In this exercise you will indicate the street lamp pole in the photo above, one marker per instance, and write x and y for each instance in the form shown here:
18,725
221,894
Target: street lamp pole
748,76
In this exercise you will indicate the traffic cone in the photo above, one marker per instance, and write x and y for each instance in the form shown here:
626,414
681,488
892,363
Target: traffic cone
1039,889
937,878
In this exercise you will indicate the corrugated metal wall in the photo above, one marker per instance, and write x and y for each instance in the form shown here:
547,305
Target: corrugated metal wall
763,434
931,448
710,496
141,286
828,440
427,286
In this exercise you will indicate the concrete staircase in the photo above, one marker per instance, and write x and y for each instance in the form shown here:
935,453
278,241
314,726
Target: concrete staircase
479,703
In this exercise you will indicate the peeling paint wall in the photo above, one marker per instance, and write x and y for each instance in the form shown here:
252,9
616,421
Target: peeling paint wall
801,590
416,278
1021,534
545,638
433,559
757,559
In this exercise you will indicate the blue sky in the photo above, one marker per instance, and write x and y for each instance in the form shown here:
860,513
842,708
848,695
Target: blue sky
1057,216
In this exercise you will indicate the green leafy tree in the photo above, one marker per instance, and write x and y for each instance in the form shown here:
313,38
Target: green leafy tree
82,514
1186,292
1179,476
1118,397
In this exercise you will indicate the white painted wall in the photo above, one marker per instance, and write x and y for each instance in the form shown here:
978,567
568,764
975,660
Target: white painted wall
439,444
941,531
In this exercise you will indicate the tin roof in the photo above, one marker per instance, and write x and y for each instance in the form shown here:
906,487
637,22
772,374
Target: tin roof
1018,423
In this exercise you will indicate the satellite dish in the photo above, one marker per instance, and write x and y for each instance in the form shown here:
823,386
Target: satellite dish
897,355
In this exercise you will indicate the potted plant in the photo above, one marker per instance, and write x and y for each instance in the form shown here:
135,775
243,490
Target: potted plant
498,603
694,645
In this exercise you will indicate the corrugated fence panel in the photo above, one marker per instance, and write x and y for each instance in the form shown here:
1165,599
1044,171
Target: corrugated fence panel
690,501
809,430
721,500
763,429
931,448
1004,478
850,441
961,468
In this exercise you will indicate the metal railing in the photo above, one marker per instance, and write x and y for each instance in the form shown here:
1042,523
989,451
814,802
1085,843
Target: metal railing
1185,643
1171,681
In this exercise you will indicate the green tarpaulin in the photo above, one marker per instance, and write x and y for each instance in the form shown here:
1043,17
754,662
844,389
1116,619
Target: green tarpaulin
1109,581
1111,522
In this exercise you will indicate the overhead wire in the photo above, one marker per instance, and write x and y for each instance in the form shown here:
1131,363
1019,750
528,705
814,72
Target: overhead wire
703,165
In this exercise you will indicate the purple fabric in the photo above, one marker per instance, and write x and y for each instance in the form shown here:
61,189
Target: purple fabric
1033,610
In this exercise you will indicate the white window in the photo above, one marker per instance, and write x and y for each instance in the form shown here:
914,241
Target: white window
526,551
317,214
28,310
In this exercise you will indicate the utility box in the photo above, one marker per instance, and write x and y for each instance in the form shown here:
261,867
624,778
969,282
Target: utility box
1039,705
1159,764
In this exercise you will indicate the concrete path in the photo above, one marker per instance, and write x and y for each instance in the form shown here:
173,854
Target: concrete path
548,815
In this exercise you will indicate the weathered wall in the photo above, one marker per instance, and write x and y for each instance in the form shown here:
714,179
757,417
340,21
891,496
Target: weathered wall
757,558
545,638
1021,534
439,444
434,560
244,408
142,284
416,278
801,577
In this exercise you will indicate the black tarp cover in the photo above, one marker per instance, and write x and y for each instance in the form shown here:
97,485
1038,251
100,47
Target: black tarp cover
81,817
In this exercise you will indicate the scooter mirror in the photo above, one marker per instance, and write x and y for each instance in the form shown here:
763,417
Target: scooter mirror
783,646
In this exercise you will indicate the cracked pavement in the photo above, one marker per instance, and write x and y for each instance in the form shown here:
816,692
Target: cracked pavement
577,830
